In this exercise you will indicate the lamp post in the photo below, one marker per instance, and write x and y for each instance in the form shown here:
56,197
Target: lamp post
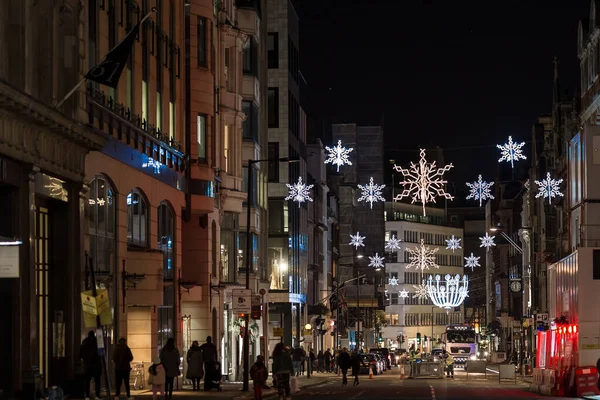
246,352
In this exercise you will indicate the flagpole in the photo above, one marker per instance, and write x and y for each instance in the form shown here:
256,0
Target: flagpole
81,82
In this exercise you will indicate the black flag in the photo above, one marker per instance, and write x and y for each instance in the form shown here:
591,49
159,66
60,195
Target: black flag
108,71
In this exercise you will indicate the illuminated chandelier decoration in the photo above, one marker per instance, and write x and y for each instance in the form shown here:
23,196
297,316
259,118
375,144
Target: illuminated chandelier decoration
423,182
449,293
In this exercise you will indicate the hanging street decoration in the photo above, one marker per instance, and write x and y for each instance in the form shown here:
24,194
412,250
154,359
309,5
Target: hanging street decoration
511,152
421,291
299,192
357,240
423,182
549,188
449,293
472,262
403,294
480,190
393,281
376,261
453,243
338,155
422,257
371,193
393,244
487,241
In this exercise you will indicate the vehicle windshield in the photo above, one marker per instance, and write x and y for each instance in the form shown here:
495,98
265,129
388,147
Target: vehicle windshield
460,337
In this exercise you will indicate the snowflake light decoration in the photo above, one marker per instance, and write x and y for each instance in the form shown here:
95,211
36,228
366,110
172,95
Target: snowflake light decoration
549,188
511,151
472,262
393,282
376,261
421,291
299,192
423,182
422,257
453,243
487,241
357,240
371,193
403,294
393,244
338,155
480,190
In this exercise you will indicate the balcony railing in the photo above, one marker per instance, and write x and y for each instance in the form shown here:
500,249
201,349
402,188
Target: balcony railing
131,129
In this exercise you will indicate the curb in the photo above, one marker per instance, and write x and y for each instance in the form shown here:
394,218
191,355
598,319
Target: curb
275,394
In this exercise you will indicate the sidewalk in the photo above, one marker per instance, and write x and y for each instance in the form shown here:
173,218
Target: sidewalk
234,390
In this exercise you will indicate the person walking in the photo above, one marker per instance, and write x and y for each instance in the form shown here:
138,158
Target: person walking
157,378
170,359
122,357
298,355
209,358
344,362
259,375
312,360
321,361
282,369
356,361
449,361
92,366
194,365
327,357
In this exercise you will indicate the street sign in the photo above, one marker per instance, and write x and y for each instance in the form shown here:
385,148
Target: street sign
541,317
278,332
308,339
241,301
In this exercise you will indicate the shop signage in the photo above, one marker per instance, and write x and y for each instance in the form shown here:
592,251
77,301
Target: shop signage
241,301
9,261
278,332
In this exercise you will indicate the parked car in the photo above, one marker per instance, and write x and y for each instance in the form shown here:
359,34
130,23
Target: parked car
370,361
380,362
385,352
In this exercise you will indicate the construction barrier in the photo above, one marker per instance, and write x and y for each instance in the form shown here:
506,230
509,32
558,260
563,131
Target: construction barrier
476,367
586,381
427,369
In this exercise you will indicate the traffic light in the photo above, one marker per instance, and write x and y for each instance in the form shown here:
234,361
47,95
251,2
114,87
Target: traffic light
418,337
256,311
425,338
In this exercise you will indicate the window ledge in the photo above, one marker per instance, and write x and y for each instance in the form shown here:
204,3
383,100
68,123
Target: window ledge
140,248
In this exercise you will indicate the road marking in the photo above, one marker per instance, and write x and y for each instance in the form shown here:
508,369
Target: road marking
358,395
492,370
432,392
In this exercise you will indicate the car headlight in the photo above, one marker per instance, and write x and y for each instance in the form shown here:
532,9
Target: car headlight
473,357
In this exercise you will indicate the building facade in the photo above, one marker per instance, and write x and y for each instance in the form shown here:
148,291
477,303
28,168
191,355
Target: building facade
413,314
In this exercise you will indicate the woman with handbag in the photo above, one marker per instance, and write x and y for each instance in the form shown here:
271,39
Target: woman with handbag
170,359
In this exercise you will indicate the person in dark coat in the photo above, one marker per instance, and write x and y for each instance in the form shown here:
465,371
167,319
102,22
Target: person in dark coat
344,362
209,357
122,357
328,360
194,365
170,359
356,361
92,366
321,361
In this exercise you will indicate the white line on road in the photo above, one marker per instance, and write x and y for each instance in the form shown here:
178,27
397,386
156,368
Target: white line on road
492,370
357,396
432,392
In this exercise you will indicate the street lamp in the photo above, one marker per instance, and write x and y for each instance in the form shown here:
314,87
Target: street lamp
248,252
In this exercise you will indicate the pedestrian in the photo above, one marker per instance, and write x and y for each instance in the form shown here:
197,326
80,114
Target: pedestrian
327,356
321,361
356,362
298,355
157,378
209,358
449,361
92,366
194,365
344,362
170,360
259,374
282,368
122,357
312,359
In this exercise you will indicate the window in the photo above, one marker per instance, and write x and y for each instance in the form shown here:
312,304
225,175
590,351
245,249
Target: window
158,111
250,125
137,219
273,170
278,217
202,59
273,107
273,50
278,261
230,245
250,57
201,134
394,299
101,224
253,249
226,149
165,235
254,196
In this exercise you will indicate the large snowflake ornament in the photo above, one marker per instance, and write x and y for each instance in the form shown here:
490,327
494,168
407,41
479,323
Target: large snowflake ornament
453,243
338,155
511,151
423,182
403,294
549,188
393,281
393,244
480,190
422,257
371,193
299,192
487,241
472,262
357,240
376,261
421,291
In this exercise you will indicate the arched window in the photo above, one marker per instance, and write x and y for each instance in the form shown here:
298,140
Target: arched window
166,239
101,224
137,219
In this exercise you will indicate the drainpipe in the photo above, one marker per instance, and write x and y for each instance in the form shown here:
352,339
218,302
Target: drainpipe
187,214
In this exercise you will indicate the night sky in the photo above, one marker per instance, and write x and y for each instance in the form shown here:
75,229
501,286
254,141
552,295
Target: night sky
461,75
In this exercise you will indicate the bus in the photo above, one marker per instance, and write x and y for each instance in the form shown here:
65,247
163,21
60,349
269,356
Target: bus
461,342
